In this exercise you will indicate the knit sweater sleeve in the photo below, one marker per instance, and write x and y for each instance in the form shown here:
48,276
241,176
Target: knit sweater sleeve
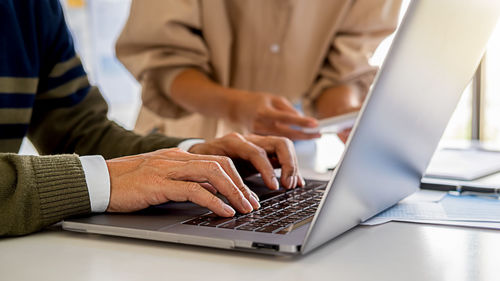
85,129
37,191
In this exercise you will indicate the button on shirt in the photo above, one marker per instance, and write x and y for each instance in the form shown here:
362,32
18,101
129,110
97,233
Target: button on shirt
274,48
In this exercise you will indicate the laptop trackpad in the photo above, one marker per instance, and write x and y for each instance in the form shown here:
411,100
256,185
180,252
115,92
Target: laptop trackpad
152,218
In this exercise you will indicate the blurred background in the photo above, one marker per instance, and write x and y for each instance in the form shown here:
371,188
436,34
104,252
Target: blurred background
96,24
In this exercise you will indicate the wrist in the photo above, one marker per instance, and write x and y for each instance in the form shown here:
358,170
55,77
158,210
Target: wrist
196,148
338,100
237,99
196,92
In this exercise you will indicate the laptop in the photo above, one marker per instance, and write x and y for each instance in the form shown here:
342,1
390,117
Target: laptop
434,55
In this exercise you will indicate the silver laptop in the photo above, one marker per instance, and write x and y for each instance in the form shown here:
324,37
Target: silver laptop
433,57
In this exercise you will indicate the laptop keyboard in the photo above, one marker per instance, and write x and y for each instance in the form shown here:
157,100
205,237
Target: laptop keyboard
279,214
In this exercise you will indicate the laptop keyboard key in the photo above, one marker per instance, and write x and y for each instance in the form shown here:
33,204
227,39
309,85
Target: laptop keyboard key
269,228
233,224
195,221
216,222
278,214
256,215
247,228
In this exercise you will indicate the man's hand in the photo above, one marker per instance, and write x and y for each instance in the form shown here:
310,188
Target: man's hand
258,150
140,181
268,114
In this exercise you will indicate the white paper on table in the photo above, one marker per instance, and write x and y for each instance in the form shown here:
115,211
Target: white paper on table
463,164
478,224
472,211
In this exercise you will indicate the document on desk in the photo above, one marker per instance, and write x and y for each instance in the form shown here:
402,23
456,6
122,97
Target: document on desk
463,164
470,210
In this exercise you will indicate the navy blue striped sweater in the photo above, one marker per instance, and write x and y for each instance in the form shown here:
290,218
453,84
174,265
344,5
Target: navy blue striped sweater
39,69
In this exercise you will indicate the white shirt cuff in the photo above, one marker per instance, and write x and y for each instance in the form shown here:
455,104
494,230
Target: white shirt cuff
98,183
187,144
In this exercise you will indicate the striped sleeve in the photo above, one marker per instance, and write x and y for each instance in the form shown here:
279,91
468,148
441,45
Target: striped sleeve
63,81
65,86
17,96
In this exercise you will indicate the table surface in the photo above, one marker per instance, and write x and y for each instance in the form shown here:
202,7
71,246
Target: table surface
392,251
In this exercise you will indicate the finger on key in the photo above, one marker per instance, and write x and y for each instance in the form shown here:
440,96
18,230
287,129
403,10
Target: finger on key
194,192
259,159
212,172
228,166
285,153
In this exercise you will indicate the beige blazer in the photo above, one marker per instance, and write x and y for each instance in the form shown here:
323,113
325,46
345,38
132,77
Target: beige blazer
291,48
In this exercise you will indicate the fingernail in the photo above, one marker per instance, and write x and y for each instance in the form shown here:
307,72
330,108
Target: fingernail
290,182
276,184
254,202
302,182
255,196
247,206
229,210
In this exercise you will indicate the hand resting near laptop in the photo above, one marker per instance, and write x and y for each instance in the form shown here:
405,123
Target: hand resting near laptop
143,180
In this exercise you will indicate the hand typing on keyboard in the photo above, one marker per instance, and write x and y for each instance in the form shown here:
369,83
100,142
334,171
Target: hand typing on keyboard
157,177
279,214
258,151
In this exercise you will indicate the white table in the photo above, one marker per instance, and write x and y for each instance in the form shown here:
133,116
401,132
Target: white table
393,251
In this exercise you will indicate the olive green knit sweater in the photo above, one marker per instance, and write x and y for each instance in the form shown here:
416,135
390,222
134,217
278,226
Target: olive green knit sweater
37,191
41,191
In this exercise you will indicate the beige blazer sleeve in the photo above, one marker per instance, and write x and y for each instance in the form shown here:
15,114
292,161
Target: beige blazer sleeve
363,28
161,39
